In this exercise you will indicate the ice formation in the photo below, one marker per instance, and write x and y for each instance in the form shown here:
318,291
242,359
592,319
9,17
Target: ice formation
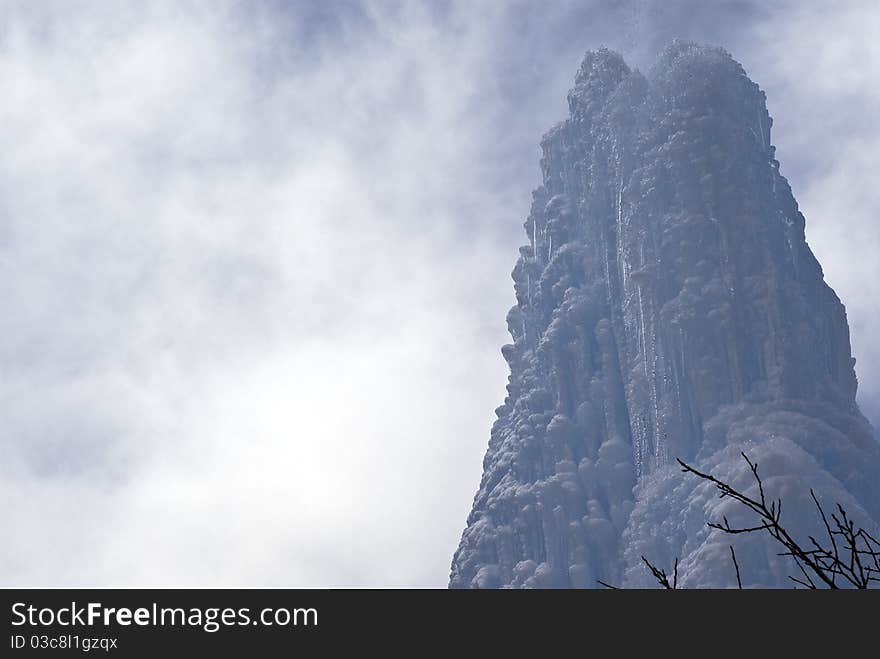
668,306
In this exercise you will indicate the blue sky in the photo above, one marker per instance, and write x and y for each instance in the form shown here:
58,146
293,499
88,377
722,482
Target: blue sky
255,262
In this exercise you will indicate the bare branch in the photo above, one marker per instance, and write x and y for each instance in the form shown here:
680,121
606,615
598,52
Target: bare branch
810,562
739,582
853,555
660,575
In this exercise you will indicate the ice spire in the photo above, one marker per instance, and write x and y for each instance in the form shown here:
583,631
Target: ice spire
673,316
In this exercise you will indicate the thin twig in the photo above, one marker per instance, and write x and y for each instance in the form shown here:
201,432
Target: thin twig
739,582
660,575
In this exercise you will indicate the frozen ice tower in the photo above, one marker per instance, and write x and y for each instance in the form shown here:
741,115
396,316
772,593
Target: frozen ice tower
668,306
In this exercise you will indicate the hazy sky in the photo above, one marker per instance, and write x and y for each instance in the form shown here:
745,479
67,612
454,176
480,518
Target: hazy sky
255,258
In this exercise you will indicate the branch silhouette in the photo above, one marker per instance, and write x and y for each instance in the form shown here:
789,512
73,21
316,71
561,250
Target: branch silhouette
850,557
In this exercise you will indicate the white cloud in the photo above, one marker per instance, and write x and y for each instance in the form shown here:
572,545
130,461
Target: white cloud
243,342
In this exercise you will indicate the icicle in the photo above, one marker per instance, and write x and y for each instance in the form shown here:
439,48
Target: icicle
607,266
642,340
794,261
761,126
535,238
529,288
638,447
681,342
620,259
550,247
659,444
